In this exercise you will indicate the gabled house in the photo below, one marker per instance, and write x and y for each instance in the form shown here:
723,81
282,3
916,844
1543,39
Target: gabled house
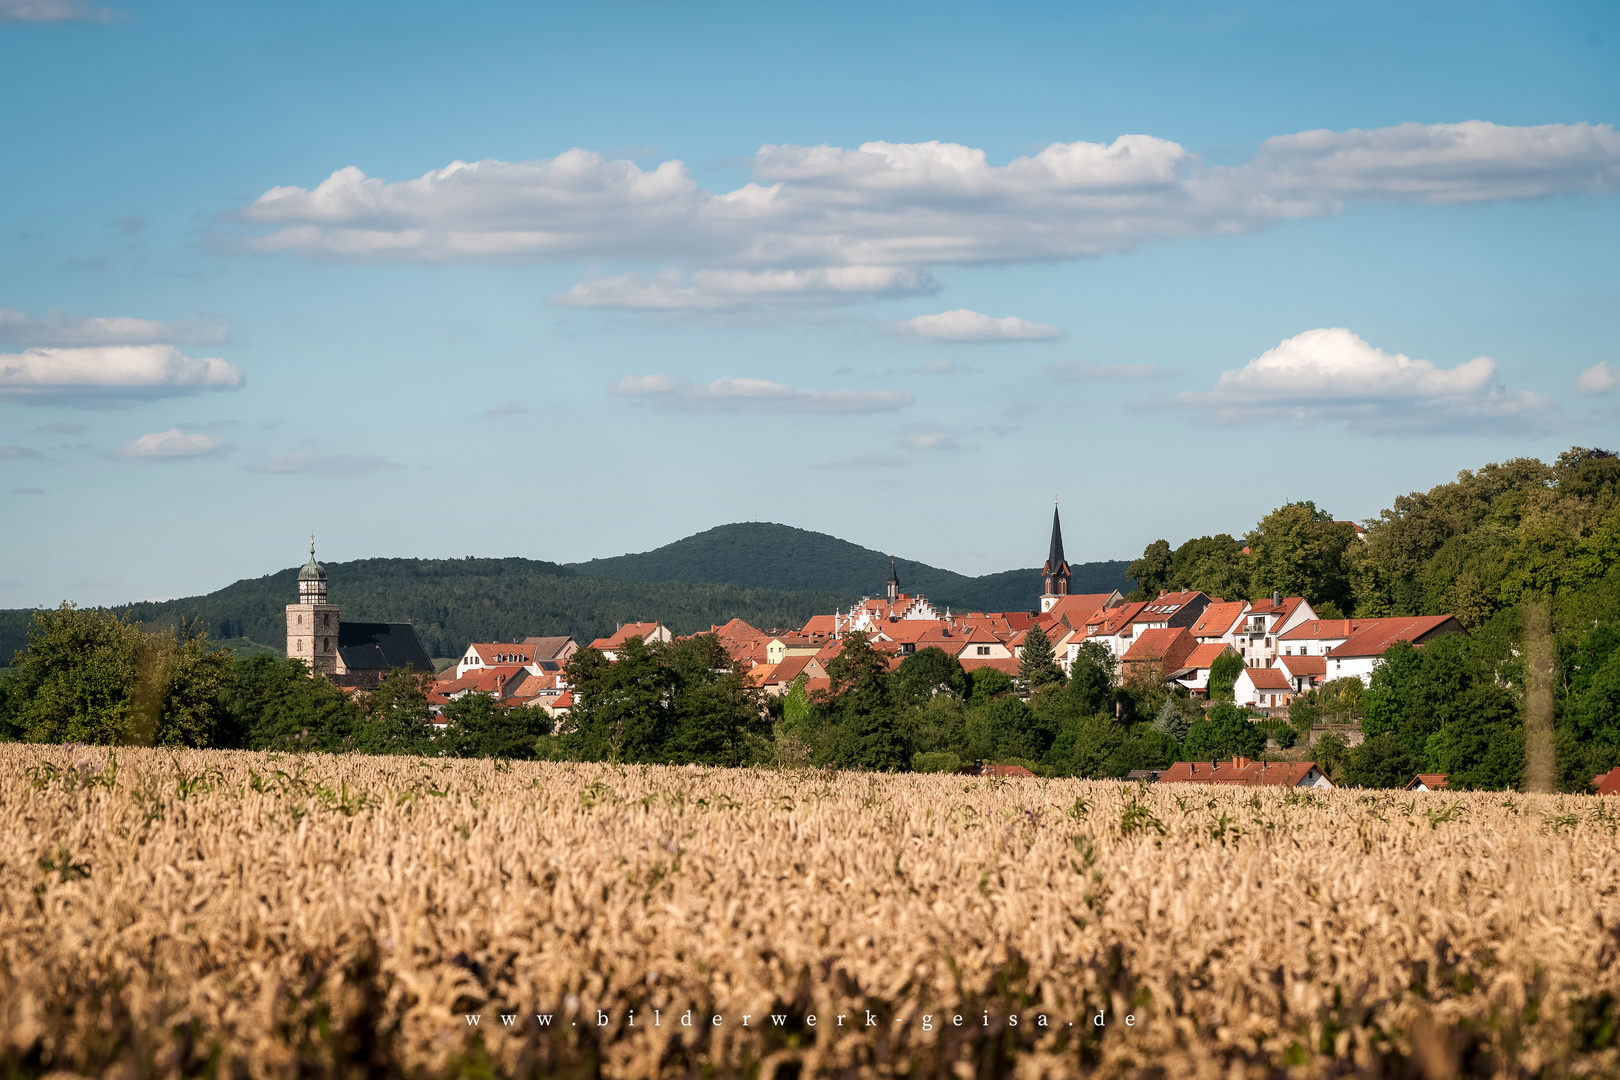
1428,782
1241,772
1169,610
1264,622
1263,687
1303,672
648,632
1218,622
1195,673
1361,653
1318,637
1160,653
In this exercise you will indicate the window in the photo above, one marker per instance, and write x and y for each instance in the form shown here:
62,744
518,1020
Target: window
300,620
983,650
326,644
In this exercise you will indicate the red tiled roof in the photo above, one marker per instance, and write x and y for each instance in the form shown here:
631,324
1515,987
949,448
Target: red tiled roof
1112,620
1239,771
1316,629
995,770
1434,781
1007,664
1165,605
624,633
818,624
1374,636
1608,783
519,652
1265,678
1205,655
1169,645
1073,610
1218,618
1314,666
547,648
483,680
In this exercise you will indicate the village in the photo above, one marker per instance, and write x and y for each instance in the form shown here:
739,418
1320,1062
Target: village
1280,646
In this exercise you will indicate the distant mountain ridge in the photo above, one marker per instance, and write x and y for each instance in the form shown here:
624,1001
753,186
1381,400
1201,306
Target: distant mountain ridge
770,556
769,575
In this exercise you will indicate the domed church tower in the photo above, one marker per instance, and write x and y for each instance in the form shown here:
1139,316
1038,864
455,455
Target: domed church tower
312,623
1055,573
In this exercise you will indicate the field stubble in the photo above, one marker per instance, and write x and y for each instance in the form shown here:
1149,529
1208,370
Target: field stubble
240,914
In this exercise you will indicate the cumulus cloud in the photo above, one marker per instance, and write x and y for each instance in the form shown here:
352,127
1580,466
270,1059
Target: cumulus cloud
172,445
969,328
755,395
55,11
308,463
719,290
110,373
1080,371
63,328
18,453
1600,378
884,211
1331,375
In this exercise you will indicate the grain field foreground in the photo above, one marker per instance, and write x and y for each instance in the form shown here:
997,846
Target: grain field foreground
239,914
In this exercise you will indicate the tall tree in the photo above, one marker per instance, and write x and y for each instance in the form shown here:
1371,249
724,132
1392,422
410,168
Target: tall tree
1152,571
397,719
1036,664
1298,550
870,735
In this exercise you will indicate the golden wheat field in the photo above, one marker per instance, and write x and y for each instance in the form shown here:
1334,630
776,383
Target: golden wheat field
241,914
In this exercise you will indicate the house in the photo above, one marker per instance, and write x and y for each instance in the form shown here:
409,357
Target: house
781,646
480,656
648,632
1218,622
1113,628
560,649
1318,637
1608,783
1241,772
1303,672
1361,653
1171,609
1160,654
1427,782
1072,610
1264,622
1195,669
1266,688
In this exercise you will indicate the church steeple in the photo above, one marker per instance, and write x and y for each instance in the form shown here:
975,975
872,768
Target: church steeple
894,580
1055,574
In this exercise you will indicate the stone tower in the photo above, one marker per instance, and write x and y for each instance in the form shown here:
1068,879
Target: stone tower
312,623
1055,574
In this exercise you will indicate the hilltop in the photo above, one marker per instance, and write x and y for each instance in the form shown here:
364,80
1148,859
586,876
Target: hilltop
770,556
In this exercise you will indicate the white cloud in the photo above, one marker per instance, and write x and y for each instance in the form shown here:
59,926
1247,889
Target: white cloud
1080,371
172,445
755,395
927,436
1600,378
55,11
716,290
969,327
62,328
885,210
111,373
307,463
1331,375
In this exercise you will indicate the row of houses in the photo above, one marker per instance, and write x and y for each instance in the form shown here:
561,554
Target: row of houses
1285,648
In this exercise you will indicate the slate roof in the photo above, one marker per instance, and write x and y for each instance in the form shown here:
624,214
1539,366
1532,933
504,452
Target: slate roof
381,647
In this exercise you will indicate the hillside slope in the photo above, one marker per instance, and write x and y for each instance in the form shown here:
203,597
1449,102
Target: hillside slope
766,555
454,601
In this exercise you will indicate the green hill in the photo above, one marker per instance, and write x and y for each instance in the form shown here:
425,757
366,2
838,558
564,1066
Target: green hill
770,556
770,575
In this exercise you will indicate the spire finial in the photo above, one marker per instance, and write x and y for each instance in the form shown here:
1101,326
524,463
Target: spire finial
312,543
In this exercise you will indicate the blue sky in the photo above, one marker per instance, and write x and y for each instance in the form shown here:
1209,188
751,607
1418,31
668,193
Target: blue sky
900,273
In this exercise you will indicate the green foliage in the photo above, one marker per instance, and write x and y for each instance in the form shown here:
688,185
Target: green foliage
479,727
1381,761
1036,664
870,734
1226,731
926,673
396,718
276,704
1330,752
93,677
1223,676
1298,550
1170,721
938,761
988,682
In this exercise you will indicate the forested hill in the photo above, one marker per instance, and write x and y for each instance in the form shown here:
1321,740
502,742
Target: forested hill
455,601
769,556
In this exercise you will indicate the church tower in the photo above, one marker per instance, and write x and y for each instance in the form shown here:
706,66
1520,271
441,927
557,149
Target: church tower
312,623
893,587
1056,571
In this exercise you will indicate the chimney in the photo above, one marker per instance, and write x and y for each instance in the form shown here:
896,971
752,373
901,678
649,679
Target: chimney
1276,599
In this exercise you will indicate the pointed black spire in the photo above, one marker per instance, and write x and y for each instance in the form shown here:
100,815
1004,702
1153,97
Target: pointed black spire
1055,574
894,580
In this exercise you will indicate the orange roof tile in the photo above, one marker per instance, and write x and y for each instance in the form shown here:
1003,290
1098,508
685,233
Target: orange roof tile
1374,636
1239,771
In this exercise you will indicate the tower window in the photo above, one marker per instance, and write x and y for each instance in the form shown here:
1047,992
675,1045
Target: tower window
326,644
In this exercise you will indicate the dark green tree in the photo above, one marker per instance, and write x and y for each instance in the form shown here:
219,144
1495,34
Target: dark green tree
869,732
988,682
927,673
1381,761
1226,731
480,728
1152,571
623,710
1036,664
716,707
276,704
1223,675
1298,550
395,716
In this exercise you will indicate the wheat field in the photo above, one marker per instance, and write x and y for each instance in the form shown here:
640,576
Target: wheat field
238,914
